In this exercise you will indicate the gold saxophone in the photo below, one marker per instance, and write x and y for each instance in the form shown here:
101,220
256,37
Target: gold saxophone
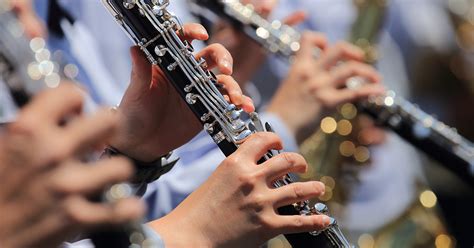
462,12
338,141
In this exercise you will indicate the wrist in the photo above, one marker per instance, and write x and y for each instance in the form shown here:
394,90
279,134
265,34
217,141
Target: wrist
145,172
300,128
176,232
291,126
128,140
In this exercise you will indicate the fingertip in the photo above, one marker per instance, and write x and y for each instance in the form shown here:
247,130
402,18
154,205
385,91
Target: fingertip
380,89
226,66
320,187
236,97
134,50
227,98
376,79
139,206
248,105
201,32
302,13
359,52
374,76
249,109
349,50
129,209
195,31
379,78
135,54
108,113
306,168
326,220
123,167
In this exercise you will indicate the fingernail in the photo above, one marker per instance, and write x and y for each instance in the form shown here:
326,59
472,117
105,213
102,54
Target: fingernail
226,63
326,220
323,188
203,32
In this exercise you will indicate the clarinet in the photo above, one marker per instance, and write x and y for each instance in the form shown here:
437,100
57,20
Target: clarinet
156,31
19,69
26,68
436,139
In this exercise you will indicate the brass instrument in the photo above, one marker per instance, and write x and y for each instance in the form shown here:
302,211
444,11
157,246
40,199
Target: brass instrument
462,12
338,141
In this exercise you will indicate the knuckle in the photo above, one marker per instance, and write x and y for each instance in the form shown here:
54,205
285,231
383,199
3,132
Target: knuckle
259,174
292,159
298,191
288,157
258,202
298,222
265,223
232,160
59,151
244,185
305,70
247,180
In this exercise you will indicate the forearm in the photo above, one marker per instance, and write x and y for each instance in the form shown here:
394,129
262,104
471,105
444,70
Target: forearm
174,232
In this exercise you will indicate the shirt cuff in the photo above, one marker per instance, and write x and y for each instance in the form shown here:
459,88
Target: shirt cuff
289,141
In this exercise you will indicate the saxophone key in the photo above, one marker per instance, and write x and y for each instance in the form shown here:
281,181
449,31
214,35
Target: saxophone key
321,208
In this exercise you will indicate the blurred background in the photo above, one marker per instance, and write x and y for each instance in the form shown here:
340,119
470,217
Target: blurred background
382,190
425,51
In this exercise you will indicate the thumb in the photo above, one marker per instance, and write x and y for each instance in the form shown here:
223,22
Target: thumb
141,68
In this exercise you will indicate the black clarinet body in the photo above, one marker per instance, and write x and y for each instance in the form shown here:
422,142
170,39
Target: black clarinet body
153,44
420,129
156,32
439,141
